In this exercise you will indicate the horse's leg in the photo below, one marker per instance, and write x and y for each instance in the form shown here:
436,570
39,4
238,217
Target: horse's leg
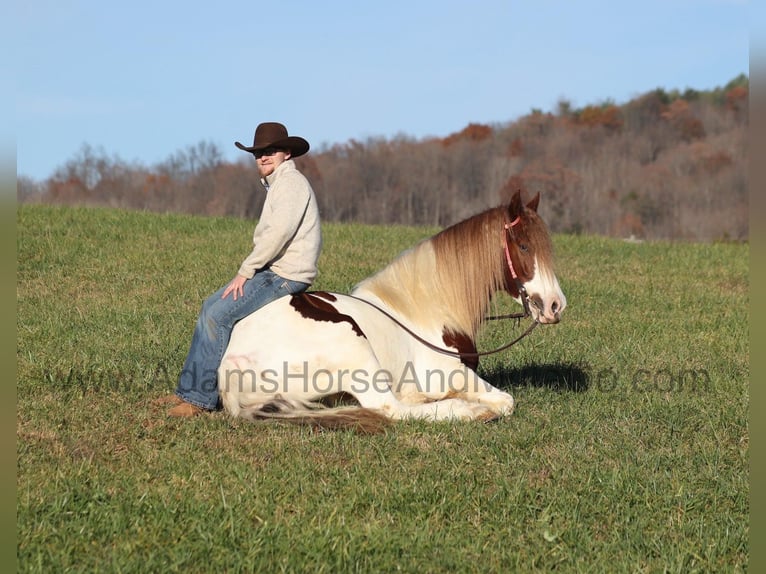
450,380
376,393
447,409
483,393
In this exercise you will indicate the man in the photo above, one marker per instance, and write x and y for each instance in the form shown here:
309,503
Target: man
286,246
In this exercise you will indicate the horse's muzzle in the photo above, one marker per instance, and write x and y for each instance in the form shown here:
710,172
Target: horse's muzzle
548,312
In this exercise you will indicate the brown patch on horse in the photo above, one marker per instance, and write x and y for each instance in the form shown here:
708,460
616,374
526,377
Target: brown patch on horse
464,345
314,306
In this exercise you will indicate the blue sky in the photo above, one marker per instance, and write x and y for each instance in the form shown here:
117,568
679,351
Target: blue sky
143,80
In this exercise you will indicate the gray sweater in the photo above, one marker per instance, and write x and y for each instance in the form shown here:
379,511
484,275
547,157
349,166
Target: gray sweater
287,238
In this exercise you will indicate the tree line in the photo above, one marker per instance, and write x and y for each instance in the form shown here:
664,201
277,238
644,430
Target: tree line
666,164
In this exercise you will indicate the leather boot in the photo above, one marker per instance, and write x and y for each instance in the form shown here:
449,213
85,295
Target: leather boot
185,410
168,400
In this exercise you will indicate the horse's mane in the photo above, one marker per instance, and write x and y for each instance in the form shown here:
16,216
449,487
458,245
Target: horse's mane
447,280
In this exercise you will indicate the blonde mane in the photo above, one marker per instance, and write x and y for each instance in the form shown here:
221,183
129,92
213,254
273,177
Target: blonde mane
446,281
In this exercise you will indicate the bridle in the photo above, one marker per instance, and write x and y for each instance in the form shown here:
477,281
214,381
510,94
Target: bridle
523,295
508,237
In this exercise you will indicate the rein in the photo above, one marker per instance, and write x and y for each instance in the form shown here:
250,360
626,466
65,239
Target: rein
508,232
450,352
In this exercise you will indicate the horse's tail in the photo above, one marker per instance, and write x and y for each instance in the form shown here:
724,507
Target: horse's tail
359,419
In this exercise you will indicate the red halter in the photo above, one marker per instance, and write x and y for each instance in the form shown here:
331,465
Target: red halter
508,227
519,285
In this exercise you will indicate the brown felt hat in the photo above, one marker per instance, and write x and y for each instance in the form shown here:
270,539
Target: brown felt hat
273,134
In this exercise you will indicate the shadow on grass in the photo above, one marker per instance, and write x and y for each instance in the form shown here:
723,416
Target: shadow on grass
562,377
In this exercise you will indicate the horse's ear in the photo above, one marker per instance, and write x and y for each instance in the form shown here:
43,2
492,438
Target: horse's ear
516,206
534,202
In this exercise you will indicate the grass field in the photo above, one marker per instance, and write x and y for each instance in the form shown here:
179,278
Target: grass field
628,450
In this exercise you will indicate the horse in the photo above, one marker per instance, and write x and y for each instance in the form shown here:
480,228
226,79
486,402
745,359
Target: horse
401,344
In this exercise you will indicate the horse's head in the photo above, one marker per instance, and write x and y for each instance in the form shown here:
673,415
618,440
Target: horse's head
529,259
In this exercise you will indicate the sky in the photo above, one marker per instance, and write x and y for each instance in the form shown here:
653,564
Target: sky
143,80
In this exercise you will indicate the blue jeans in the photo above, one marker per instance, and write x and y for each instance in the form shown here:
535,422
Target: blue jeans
198,382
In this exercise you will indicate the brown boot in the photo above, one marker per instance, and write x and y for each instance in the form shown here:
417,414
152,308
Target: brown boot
185,410
168,400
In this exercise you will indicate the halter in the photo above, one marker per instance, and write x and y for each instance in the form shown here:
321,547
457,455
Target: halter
507,232
523,295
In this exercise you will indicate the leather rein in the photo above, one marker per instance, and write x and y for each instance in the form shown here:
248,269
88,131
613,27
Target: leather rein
508,236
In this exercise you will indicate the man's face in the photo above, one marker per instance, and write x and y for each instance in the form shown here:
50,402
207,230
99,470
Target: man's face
269,159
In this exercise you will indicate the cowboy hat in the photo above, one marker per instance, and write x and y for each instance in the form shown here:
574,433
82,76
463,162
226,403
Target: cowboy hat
273,134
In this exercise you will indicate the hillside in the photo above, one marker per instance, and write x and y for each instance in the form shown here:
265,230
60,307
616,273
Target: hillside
667,164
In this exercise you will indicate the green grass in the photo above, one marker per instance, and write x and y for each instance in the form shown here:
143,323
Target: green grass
628,451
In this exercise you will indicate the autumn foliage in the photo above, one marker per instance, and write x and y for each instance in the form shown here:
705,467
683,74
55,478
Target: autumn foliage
663,165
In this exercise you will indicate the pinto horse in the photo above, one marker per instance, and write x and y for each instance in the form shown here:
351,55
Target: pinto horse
402,343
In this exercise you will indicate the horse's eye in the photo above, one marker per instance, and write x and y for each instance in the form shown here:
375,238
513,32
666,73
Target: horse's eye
524,247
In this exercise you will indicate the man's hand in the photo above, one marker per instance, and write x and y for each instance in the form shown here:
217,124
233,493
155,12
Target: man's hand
235,287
